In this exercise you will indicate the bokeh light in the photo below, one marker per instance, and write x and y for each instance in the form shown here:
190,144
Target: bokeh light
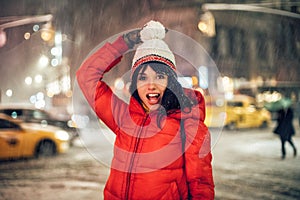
9,93
28,80
27,36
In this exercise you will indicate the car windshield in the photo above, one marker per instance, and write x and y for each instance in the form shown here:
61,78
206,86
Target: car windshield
37,114
235,104
4,124
25,114
14,113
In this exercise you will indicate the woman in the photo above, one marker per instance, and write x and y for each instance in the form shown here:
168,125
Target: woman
148,161
285,129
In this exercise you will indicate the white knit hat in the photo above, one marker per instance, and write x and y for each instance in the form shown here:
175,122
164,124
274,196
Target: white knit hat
153,47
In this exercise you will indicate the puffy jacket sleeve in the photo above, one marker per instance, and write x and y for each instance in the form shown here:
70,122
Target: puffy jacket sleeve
198,155
90,74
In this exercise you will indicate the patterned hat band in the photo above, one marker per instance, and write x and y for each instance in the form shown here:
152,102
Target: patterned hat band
153,58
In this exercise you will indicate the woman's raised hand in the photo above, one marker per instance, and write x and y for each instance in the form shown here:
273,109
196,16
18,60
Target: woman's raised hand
132,38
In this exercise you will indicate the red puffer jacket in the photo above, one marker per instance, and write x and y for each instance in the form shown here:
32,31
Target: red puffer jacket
148,161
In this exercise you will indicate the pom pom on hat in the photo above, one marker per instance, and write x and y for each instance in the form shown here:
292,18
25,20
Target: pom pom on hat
153,30
153,47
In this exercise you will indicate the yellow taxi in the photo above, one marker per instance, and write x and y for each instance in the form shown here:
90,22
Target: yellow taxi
19,139
241,111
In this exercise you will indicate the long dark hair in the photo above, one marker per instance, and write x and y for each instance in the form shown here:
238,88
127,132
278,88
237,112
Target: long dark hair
174,97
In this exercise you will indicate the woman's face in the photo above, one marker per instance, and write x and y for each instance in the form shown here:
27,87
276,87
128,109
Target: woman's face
151,87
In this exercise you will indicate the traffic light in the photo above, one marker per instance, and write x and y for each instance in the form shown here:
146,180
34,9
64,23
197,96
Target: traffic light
206,24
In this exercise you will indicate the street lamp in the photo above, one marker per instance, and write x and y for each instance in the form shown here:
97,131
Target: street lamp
45,31
206,24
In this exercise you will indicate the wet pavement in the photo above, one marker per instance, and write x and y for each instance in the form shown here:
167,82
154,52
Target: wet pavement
247,165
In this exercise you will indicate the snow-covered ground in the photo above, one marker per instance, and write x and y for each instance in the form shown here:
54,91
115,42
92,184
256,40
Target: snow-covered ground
247,165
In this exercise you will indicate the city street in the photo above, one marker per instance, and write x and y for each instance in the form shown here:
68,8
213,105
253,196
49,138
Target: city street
247,165
59,57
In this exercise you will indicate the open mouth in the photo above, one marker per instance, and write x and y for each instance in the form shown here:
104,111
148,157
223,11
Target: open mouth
153,98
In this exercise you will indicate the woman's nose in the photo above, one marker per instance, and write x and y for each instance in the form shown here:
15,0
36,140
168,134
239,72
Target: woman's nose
151,84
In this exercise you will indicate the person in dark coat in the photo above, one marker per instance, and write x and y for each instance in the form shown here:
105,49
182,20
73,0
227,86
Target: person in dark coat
285,129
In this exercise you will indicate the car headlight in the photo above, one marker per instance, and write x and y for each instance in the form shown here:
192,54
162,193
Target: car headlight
71,124
62,135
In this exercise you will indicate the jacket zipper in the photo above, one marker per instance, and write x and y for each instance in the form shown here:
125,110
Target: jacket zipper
133,157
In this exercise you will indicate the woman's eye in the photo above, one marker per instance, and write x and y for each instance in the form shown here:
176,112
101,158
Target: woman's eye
142,78
160,76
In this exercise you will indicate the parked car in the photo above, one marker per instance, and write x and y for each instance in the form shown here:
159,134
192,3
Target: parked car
239,112
19,139
243,112
33,115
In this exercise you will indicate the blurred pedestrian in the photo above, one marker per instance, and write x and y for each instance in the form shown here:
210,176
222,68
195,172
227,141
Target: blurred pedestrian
298,112
285,128
161,120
